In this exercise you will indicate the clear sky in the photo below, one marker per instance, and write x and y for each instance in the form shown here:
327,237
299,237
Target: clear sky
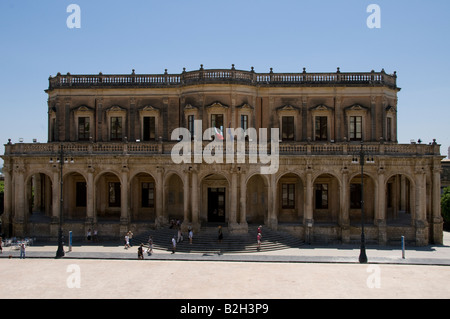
117,36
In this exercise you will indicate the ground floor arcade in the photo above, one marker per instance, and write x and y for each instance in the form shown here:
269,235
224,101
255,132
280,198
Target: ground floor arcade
318,200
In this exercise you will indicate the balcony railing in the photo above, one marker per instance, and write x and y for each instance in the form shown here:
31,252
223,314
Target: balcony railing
203,76
165,148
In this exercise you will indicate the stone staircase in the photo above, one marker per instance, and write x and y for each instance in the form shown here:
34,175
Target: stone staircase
206,240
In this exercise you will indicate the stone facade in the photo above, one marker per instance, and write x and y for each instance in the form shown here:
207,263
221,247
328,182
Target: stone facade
113,134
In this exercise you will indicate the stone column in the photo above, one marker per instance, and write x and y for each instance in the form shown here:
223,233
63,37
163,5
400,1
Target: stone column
272,220
56,202
344,203
233,198
437,220
124,219
308,217
243,199
186,196
90,193
420,221
380,210
6,216
159,197
195,201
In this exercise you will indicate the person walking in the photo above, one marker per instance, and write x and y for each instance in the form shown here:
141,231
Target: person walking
191,235
22,250
220,237
174,245
141,252
89,235
258,240
130,237
180,235
127,241
1,243
150,246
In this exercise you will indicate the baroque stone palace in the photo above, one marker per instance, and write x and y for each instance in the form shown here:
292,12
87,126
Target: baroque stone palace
113,135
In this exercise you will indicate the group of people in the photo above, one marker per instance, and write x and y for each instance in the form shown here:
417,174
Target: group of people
92,235
259,237
179,237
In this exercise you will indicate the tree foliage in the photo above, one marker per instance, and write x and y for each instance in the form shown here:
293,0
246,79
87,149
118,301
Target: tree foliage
445,205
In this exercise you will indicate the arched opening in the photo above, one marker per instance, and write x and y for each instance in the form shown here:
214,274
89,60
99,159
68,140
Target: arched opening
399,200
174,197
39,198
291,199
215,197
75,197
257,200
108,197
326,202
355,200
143,198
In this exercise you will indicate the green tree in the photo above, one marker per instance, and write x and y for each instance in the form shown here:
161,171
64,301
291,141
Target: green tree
445,205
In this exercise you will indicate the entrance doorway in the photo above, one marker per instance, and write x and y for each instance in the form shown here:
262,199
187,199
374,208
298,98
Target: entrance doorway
216,204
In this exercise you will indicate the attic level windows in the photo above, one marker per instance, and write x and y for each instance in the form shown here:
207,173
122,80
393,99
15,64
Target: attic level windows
287,127
83,128
355,128
116,128
149,128
321,133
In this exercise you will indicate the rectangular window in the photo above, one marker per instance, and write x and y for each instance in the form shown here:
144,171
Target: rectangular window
149,128
53,130
389,129
321,196
287,126
114,194
80,194
321,128
244,122
83,128
288,196
191,120
148,195
355,128
217,121
355,196
116,128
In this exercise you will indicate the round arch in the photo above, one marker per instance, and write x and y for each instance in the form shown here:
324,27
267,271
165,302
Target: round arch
291,197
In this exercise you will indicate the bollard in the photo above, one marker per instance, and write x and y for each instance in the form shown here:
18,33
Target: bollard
70,240
403,247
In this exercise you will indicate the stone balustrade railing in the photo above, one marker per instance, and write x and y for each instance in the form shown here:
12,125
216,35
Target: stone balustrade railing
284,148
223,76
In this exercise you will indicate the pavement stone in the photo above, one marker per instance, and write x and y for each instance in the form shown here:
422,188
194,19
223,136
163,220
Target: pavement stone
429,255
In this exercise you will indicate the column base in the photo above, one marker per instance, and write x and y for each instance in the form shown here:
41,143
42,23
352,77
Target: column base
238,228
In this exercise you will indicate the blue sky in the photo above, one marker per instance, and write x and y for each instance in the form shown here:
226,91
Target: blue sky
150,36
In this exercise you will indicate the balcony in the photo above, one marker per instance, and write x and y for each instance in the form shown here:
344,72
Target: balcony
165,148
224,76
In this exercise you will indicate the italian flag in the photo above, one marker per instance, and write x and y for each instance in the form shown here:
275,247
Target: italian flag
218,134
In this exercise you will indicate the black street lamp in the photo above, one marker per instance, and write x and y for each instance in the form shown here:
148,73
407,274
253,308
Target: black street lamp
362,155
61,160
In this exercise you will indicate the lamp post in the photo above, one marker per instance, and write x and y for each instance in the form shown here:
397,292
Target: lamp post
362,155
61,160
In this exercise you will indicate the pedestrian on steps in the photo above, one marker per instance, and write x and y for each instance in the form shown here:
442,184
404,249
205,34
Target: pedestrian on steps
174,245
141,252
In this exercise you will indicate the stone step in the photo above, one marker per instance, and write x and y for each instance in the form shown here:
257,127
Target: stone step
206,240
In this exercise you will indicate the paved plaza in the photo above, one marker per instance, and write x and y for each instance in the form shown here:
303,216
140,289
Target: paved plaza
110,271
